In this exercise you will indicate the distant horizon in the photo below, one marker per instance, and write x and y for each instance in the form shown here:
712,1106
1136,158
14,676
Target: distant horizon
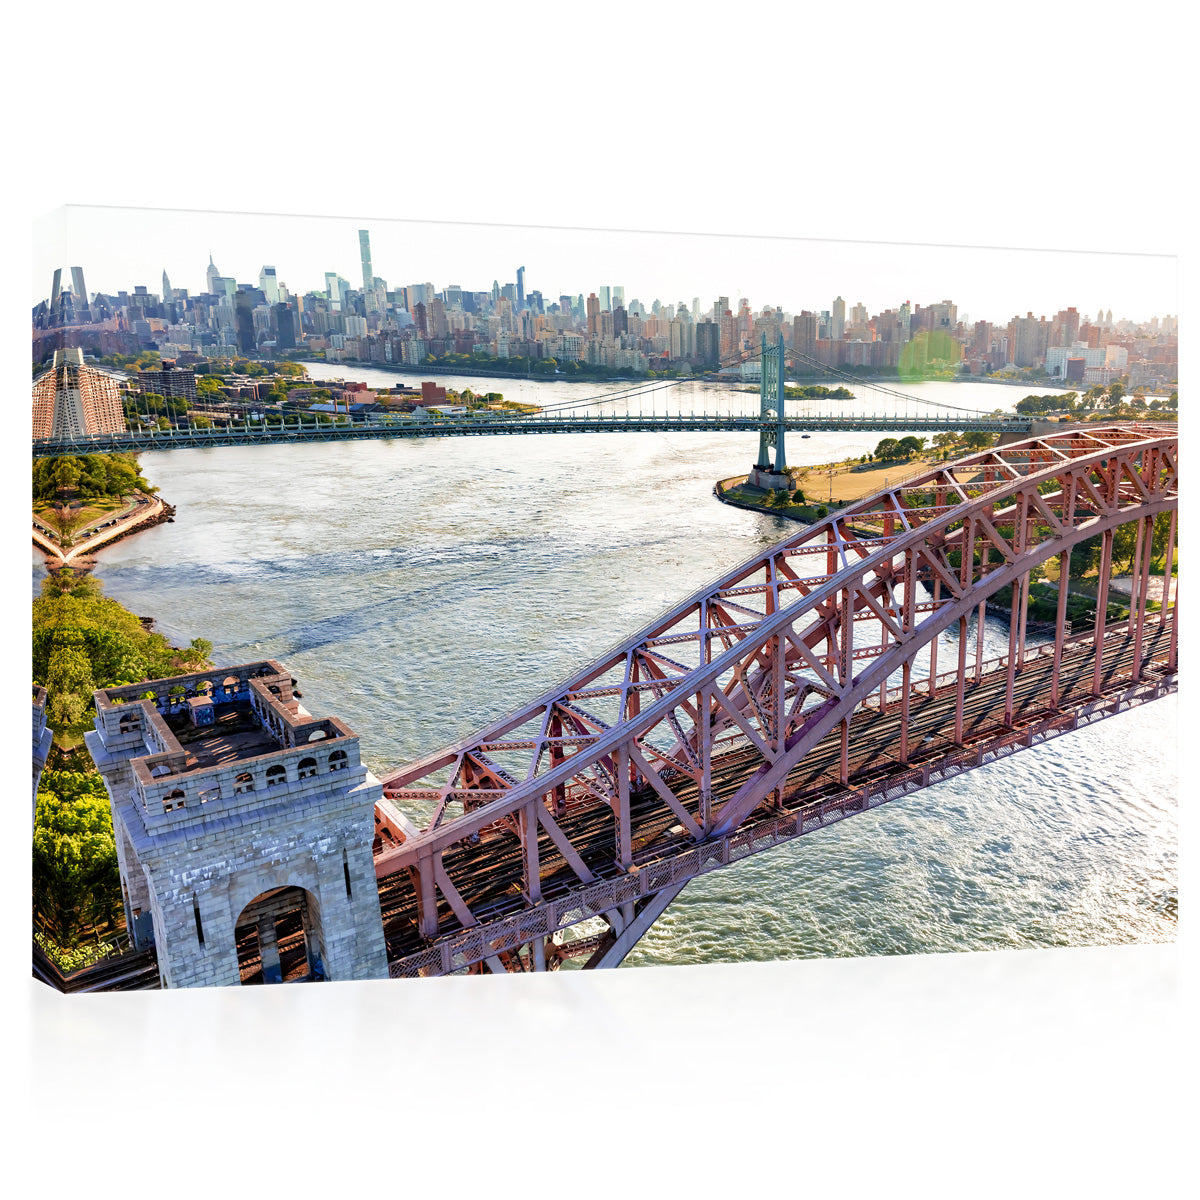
792,274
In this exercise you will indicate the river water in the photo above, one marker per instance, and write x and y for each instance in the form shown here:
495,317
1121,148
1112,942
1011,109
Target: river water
418,589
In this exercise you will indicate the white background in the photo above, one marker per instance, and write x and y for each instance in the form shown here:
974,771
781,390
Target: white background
1044,1073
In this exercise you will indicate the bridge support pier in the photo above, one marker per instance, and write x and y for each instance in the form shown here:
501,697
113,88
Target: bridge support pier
771,407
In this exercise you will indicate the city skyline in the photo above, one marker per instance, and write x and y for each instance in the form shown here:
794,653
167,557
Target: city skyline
788,273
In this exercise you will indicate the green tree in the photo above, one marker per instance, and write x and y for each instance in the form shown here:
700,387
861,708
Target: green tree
76,878
69,683
1162,531
978,440
910,446
888,450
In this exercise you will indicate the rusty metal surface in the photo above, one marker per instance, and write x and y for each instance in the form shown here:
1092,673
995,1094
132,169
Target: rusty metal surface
766,705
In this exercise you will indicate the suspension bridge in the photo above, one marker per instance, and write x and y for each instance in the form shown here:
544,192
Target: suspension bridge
877,408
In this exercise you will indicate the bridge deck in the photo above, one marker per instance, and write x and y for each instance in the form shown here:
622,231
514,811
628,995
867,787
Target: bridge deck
489,875
475,426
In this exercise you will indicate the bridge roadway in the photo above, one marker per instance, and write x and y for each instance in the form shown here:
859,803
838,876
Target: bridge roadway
489,874
478,425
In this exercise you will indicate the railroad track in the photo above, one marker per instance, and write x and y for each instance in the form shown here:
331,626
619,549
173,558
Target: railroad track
133,971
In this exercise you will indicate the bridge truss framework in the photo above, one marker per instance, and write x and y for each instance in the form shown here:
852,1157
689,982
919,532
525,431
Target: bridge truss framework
800,688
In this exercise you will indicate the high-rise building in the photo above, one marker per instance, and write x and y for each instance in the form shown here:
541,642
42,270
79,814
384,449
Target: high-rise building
284,321
168,294
364,250
1027,344
708,342
804,333
520,288
80,289
211,275
1064,329
593,315
75,400
606,299
244,317
838,325
617,296
269,284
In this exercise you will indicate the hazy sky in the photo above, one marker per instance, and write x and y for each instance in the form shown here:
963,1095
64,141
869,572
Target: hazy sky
119,248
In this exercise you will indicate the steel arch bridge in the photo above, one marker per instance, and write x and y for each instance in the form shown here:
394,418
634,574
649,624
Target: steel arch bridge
799,689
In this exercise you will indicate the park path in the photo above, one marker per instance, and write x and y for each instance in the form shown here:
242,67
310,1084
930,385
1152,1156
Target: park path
151,508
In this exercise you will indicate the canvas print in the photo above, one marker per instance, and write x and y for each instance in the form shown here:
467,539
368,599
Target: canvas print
638,599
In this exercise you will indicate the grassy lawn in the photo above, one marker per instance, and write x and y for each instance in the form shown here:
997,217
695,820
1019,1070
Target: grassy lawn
854,480
77,519
850,481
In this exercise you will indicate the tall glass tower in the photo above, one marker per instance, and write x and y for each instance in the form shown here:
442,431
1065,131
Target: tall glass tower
364,248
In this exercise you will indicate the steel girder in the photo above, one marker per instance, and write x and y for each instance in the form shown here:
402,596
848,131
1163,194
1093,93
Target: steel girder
761,666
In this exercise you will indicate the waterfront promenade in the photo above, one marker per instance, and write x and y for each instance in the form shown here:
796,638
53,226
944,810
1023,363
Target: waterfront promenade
149,510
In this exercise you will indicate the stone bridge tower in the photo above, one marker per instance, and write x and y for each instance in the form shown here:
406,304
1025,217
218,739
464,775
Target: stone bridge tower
244,828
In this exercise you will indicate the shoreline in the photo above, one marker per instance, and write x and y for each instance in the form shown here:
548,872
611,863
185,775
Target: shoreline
145,516
695,376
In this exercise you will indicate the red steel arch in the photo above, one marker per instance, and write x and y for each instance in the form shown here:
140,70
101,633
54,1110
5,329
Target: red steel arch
769,700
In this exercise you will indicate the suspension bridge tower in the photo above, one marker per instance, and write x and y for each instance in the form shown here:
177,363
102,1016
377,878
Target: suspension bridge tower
771,396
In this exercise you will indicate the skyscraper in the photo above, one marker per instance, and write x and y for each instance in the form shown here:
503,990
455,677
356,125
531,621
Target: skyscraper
520,288
55,288
80,289
364,250
838,324
212,275
618,297
269,284
284,321
244,316
606,299
168,294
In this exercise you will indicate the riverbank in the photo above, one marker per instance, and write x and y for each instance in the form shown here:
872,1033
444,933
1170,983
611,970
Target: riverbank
427,369
145,514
